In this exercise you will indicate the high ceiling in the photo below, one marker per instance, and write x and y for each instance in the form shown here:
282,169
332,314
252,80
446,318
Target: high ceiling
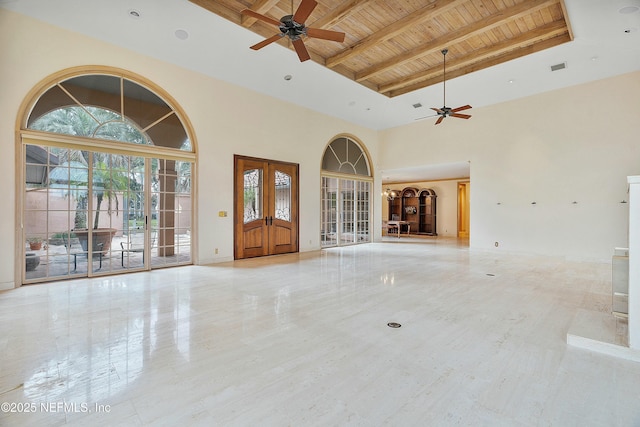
606,42
394,47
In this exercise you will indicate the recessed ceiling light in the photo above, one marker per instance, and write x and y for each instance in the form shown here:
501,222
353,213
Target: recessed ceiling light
511,81
629,9
182,34
135,14
288,77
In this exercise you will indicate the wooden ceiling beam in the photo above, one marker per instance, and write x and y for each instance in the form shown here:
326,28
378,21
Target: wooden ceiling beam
424,14
523,51
261,6
463,33
339,14
352,64
536,35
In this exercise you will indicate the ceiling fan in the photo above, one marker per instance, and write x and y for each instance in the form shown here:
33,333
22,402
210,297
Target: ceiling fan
447,111
293,27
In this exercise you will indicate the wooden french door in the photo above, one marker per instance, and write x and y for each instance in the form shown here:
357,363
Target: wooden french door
266,207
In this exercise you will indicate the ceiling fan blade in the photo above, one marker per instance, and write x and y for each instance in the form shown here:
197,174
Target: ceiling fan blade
266,42
304,10
464,107
325,34
427,117
460,116
259,16
301,50
440,119
437,110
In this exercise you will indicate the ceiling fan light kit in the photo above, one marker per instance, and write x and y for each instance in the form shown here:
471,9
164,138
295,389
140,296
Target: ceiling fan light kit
293,27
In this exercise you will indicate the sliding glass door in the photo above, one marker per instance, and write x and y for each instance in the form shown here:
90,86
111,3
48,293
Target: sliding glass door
76,211
89,213
345,211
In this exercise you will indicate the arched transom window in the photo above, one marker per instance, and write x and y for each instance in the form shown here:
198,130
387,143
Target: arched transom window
344,155
108,107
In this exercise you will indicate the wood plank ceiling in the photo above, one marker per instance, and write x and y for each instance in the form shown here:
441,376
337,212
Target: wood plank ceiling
394,46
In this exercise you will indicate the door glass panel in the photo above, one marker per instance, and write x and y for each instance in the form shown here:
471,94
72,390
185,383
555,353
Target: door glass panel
171,213
347,228
183,213
252,195
362,211
329,226
132,238
55,201
283,196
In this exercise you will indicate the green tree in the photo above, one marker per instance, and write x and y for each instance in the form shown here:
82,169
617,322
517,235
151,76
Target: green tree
108,183
109,170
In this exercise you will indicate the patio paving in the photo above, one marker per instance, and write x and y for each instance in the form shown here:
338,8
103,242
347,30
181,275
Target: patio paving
58,262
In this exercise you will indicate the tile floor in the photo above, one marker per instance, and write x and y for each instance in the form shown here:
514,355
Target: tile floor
302,339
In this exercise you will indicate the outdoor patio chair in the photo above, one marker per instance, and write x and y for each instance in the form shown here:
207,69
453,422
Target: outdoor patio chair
130,247
68,244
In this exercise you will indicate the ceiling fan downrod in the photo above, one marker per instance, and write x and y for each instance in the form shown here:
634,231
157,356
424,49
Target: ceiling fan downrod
444,76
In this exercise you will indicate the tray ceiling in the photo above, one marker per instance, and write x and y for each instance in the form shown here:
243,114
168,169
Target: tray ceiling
394,46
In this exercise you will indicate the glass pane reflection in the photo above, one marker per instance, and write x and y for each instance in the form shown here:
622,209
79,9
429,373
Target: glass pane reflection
252,195
283,196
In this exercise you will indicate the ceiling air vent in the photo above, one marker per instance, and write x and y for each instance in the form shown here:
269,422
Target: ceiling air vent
560,66
417,105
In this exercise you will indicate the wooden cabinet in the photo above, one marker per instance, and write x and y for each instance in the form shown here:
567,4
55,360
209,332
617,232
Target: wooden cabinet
410,208
416,206
395,207
427,209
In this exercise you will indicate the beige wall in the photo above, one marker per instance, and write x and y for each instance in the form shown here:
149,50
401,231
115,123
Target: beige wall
219,112
575,144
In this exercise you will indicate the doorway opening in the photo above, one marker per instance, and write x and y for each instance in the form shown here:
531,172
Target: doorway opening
464,197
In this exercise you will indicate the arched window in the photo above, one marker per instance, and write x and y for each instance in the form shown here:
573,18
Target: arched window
344,155
346,194
107,177
108,107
